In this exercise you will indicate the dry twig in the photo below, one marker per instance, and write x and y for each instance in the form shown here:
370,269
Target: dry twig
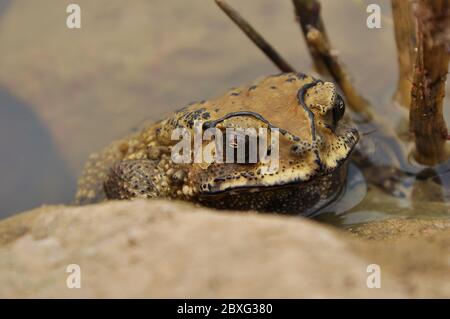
404,27
426,117
308,15
359,104
257,39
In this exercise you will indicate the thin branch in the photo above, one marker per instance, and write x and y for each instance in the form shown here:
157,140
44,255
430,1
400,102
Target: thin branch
404,26
307,13
427,121
325,62
257,39
317,40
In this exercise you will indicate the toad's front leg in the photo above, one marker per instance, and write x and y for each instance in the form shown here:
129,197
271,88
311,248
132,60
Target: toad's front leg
145,178
135,179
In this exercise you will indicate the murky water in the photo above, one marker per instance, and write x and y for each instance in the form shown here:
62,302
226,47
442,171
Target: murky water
32,171
4,6
66,93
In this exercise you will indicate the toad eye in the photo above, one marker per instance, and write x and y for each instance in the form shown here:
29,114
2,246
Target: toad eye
338,109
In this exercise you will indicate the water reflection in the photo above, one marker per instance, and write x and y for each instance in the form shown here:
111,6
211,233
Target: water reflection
32,172
4,4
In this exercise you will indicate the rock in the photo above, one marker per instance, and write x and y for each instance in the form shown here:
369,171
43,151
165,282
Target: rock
169,249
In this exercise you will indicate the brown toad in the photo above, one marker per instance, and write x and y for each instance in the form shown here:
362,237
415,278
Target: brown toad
315,140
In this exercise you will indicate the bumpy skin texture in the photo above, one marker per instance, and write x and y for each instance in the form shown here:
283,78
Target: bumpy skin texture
314,142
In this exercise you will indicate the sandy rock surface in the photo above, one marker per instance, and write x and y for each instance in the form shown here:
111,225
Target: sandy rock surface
168,249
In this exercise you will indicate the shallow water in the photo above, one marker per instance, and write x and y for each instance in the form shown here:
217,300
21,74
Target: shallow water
76,90
32,170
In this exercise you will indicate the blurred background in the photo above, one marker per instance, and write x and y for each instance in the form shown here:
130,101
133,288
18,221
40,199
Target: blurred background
65,93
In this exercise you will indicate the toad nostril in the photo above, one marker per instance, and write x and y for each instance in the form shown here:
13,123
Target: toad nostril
295,149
